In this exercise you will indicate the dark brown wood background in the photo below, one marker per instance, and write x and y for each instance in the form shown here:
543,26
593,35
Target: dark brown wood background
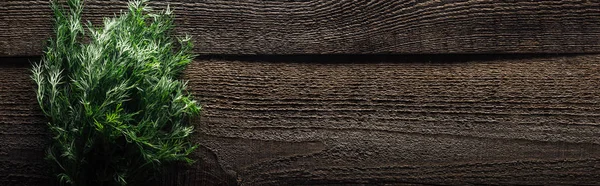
344,26
307,93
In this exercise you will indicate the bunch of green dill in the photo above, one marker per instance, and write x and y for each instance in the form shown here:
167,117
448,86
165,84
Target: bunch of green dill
116,110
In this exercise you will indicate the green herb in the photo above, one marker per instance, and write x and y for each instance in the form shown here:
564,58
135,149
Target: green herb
116,110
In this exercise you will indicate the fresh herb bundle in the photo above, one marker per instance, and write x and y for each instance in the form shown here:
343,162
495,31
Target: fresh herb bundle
116,110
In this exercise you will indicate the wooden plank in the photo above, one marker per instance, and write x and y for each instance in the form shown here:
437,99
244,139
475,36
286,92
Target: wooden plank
23,133
374,120
344,27
24,139
442,121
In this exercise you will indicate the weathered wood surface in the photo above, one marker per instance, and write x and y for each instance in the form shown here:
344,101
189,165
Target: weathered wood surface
343,26
371,119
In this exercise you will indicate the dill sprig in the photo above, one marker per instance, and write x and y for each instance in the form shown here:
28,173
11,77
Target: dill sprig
116,110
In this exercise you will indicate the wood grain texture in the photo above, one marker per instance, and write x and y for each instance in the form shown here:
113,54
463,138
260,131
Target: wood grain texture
24,139
23,133
408,120
375,120
344,26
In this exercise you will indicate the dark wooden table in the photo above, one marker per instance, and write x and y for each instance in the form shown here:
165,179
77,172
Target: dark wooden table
356,92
